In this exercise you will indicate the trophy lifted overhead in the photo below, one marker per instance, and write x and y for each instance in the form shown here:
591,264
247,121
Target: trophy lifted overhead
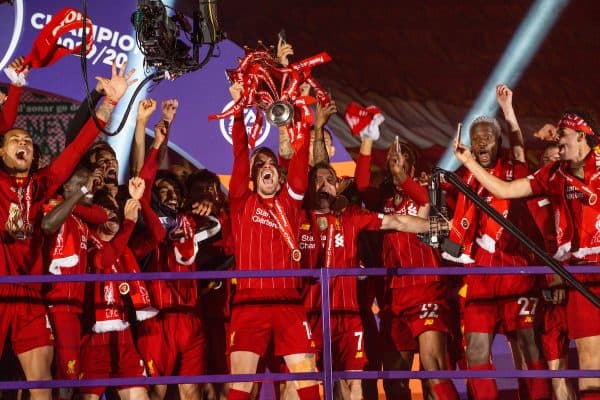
274,90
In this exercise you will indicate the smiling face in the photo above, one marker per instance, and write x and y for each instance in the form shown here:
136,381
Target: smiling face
17,152
265,174
484,144
168,195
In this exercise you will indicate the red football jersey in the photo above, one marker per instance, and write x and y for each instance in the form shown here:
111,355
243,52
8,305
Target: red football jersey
405,250
345,253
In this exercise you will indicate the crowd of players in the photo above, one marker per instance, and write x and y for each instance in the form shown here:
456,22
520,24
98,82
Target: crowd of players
289,211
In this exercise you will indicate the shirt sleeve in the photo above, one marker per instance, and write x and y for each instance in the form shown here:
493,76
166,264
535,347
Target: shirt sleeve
63,165
238,186
539,180
143,242
148,172
103,259
297,179
93,215
8,116
366,220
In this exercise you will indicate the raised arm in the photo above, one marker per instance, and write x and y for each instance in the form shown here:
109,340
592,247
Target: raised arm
63,165
238,186
154,231
83,114
498,187
8,115
169,109
322,115
515,137
103,259
297,179
138,150
52,221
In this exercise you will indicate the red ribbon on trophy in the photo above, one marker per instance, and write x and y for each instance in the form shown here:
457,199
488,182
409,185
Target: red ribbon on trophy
275,91
46,50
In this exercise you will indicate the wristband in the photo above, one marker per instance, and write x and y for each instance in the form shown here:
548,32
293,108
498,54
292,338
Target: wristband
16,78
110,101
84,190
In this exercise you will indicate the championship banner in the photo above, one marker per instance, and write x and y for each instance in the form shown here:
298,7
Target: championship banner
200,93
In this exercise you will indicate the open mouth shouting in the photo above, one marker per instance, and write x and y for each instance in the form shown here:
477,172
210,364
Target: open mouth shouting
484,157
267,178
110,174
20,154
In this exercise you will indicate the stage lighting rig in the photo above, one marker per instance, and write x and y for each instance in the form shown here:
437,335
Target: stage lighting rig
166,38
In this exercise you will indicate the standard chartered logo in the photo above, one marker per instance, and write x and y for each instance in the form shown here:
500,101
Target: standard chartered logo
226,125
11,30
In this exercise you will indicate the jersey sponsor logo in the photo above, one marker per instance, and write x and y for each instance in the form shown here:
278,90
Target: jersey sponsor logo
262,217
226,125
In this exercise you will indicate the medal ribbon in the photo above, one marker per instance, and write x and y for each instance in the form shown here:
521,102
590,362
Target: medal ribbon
285,229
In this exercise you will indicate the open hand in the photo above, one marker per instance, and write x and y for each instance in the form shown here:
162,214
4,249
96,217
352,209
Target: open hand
117,85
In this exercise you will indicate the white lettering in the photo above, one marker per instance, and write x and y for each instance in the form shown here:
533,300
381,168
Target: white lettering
103,34
37,20
264,221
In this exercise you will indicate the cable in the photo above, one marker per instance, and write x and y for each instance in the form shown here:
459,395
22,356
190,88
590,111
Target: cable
83,56
510,227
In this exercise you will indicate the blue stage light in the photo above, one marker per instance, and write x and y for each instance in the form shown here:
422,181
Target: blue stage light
540,18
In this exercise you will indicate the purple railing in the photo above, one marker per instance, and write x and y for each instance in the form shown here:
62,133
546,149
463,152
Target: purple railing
328,376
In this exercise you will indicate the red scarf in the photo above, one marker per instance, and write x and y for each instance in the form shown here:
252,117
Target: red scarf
65,252
110,315
588,229
470,218
46,50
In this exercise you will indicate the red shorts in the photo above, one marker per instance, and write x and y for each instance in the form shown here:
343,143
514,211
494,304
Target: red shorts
67,335
253,326
347,339
583,318
495,286
173,343
109,355
411,311
23,313
508,313
554,335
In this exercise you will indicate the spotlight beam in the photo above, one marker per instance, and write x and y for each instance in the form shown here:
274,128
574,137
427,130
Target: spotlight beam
523,46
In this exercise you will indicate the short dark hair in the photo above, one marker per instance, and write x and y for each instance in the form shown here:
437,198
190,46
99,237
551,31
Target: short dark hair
166,175
93,151
204,176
